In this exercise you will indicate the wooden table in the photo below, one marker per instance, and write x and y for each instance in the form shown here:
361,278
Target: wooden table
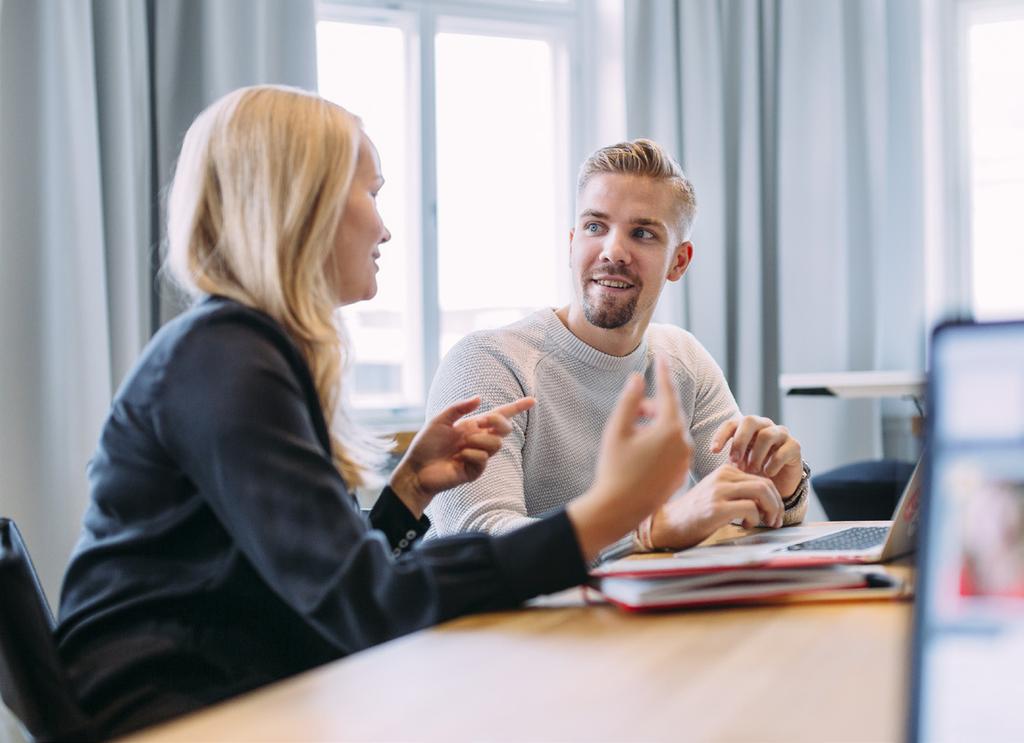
566,671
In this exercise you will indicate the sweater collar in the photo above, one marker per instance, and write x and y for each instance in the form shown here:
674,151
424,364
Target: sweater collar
577,349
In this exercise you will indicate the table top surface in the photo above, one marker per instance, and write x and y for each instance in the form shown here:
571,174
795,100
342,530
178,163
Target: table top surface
565,670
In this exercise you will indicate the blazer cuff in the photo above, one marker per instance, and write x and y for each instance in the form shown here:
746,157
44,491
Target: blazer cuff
542,557
390,515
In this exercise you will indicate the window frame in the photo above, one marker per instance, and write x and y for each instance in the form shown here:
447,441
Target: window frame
560,23
948,172
970,12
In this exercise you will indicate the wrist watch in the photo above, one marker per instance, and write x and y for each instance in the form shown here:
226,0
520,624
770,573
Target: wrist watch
801,490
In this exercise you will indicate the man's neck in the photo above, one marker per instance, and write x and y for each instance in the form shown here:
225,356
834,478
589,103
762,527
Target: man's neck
614,342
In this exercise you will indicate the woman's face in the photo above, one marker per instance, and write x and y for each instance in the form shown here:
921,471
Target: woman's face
360,231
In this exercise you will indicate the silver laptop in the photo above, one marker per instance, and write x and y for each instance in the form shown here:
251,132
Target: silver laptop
865,542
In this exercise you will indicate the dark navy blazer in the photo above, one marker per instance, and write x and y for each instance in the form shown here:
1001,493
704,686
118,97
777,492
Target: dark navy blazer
222,550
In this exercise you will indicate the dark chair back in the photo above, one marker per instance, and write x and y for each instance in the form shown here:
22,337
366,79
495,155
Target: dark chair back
862,491
32,680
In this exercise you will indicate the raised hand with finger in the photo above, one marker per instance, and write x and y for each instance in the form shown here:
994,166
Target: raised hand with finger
640,464
452,449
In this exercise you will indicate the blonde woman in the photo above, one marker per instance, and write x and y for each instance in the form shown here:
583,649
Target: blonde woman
222,548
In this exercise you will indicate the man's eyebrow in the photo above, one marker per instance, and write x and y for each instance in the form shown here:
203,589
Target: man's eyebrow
642,221
648,222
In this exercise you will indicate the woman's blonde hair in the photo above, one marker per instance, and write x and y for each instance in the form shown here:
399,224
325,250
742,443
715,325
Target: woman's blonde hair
257,195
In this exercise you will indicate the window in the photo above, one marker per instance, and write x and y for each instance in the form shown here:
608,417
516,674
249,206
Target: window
383,331
469,106
994,56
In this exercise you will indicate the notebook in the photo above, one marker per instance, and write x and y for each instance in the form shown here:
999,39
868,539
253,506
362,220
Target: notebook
744,586
967,678
795,546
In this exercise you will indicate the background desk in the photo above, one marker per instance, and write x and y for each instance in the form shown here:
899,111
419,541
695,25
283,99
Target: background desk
825,671
865,384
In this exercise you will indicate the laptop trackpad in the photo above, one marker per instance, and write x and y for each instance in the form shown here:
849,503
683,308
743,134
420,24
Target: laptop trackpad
770,538
742,550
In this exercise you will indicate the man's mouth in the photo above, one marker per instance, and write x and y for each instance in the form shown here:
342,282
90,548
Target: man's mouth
610,283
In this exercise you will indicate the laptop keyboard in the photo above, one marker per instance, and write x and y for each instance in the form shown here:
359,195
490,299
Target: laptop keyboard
854,538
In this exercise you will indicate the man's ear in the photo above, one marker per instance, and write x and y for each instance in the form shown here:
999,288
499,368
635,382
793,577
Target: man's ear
572,234
680,261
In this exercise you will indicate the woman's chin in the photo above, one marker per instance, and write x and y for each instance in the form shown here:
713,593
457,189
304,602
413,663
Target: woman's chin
354,297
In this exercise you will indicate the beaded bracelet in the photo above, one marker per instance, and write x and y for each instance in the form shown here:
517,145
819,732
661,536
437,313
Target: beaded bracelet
643,533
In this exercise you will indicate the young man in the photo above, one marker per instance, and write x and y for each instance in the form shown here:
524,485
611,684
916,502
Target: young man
635,209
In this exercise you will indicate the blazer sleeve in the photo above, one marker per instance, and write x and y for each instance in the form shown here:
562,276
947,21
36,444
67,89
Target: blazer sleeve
235,410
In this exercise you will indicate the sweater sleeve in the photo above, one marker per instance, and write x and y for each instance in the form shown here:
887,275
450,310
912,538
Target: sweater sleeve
713,405
494,503
237,410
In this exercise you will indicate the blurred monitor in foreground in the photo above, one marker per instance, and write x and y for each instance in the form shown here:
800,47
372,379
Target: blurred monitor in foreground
968,670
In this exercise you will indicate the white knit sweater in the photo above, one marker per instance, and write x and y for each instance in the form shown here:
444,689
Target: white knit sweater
551,455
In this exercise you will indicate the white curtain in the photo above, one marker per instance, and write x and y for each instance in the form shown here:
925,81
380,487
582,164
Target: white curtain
94,99
799,122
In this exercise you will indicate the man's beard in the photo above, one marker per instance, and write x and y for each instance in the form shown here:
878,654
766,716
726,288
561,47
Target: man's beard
609,315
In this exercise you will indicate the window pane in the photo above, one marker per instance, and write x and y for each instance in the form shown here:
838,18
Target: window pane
363,68
996,58
498,240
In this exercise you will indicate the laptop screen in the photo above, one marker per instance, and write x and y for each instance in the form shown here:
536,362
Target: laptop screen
968,679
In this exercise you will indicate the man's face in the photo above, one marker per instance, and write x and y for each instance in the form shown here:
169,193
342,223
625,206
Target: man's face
625,245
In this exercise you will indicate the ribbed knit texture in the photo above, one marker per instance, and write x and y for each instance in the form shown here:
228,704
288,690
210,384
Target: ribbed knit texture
551,455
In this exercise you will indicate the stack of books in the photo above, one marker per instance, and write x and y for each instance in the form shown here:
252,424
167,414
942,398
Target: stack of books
646,584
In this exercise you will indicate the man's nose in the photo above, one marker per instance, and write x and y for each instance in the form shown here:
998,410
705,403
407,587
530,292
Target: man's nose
614,248
386,237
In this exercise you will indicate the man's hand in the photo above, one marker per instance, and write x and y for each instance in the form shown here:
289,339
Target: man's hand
449,451
724,496
759,447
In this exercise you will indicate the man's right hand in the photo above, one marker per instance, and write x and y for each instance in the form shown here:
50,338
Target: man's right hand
728,494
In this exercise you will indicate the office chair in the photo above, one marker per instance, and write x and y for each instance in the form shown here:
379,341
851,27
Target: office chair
862,490
32,680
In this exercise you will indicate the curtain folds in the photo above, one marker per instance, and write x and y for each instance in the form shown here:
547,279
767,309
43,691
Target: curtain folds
799,122
94,99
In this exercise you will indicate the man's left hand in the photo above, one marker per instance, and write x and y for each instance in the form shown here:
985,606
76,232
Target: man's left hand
760,447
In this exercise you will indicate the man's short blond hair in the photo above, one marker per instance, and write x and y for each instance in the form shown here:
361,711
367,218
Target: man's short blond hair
647,158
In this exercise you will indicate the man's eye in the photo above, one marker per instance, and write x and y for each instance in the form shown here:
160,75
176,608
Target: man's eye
592,227
643,234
